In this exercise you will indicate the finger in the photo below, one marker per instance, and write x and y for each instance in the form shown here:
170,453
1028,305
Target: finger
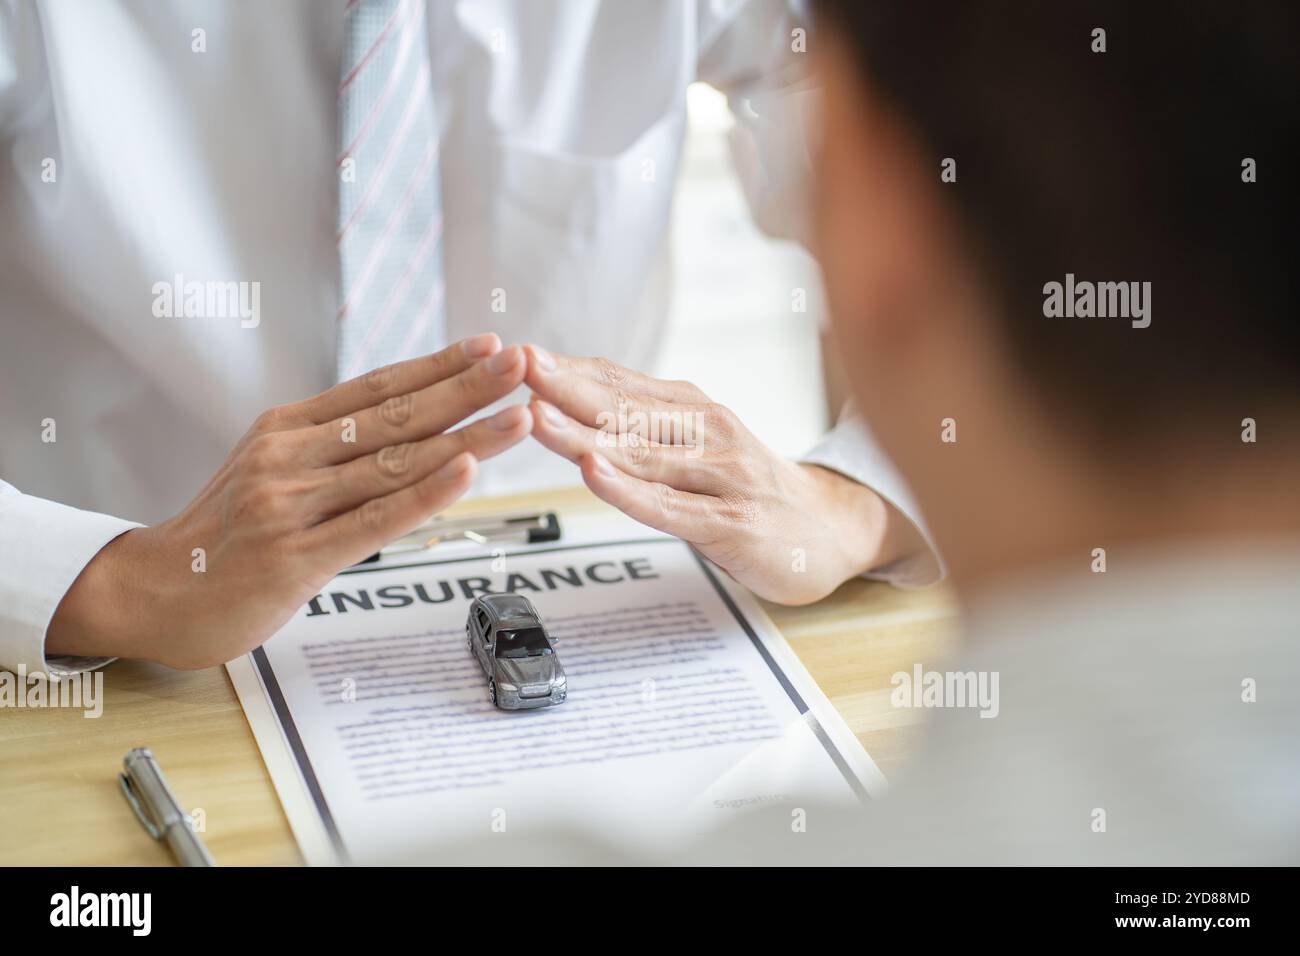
346,486
543,364
677,465
412,416
355,535
399,379
690,517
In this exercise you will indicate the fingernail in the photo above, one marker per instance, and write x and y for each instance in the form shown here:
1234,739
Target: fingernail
480,346
454,468
554,417
505,420
602,466
544,359
503,361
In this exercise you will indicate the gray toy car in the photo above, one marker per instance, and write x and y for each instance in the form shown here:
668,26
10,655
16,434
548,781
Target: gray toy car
507,638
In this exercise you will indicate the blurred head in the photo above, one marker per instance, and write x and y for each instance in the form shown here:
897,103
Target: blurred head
1125,167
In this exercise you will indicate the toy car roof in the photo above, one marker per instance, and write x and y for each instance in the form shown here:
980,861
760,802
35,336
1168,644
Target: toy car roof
509,606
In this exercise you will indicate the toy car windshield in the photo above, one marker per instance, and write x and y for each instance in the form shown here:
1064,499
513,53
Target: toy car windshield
522,642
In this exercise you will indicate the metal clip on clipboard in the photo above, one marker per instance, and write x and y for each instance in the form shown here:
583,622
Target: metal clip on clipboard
527,528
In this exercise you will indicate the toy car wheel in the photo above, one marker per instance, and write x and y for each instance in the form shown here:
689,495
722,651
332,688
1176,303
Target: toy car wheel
492,691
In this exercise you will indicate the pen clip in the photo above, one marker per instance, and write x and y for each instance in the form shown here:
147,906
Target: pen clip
128,788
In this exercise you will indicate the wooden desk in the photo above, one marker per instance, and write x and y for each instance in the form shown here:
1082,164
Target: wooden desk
60,803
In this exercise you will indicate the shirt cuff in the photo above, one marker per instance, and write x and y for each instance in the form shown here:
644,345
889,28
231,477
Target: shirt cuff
850,450
44,546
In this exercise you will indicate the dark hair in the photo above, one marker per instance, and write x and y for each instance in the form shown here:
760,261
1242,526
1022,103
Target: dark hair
1123,165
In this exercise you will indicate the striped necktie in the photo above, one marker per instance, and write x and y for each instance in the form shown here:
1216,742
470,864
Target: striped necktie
390,223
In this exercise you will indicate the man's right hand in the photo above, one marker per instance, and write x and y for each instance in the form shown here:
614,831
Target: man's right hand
312,488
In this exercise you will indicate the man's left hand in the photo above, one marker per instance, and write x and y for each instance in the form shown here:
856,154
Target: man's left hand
664,454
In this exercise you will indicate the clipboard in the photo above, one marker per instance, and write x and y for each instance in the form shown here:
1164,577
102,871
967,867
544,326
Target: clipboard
286,744
521,527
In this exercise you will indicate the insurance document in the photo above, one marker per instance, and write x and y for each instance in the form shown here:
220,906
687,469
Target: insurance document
685,706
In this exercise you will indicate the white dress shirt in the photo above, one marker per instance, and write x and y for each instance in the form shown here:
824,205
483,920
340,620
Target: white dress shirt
198,139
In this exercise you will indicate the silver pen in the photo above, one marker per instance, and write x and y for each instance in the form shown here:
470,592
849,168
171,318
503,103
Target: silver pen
153,802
